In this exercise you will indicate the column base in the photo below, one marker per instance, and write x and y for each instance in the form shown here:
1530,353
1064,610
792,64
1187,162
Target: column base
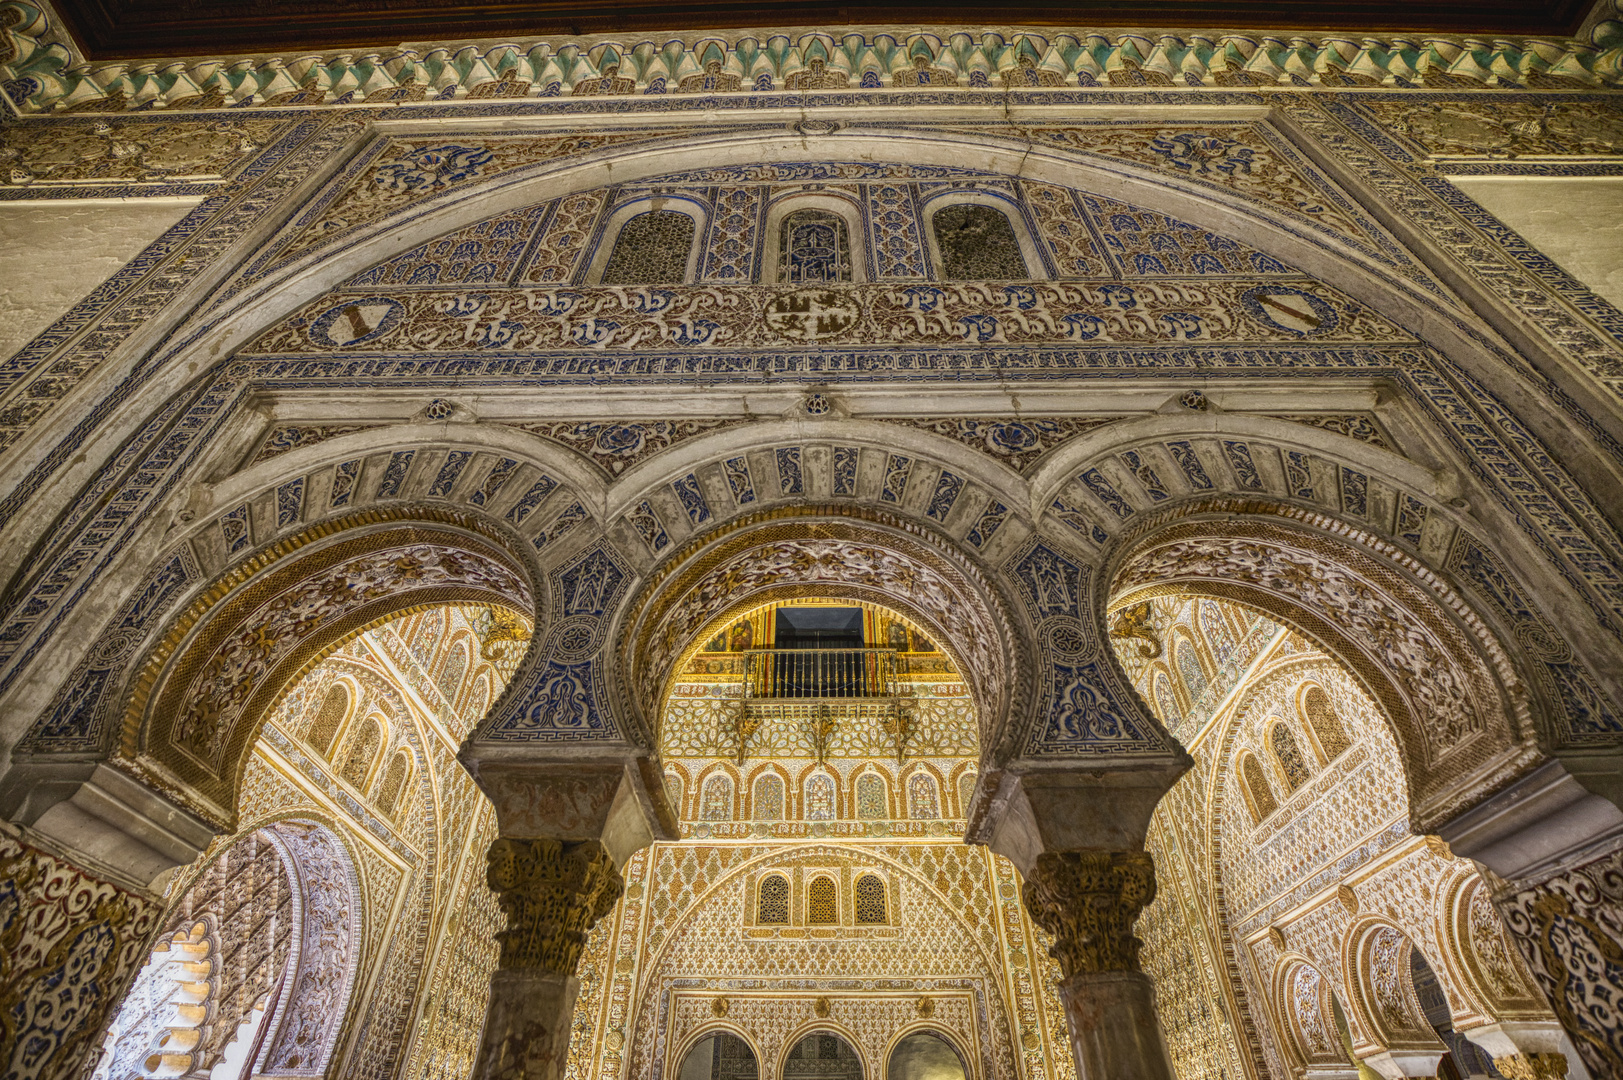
1114,1031
527,1026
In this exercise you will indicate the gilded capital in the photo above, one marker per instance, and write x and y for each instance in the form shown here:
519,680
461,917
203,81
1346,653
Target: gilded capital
1088,901
553,893
1532,1066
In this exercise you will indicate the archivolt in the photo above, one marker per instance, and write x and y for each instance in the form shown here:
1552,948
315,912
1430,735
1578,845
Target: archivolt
824,551
225,662
1461,715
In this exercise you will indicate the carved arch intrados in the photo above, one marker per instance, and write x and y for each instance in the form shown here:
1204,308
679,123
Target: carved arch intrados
1416,646
1382,1002
222,665
1286,1008
316,989
814,551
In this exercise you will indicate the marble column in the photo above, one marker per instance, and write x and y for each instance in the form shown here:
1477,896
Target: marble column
1088,901
553,893
566,827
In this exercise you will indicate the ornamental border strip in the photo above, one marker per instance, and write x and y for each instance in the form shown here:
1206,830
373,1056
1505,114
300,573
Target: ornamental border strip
41,74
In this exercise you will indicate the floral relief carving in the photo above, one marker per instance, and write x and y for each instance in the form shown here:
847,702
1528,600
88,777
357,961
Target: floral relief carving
1450,694
553,894
404,172
327,956
69,944
221,685
126,150
1089,900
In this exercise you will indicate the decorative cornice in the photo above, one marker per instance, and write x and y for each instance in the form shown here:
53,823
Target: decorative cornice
41,74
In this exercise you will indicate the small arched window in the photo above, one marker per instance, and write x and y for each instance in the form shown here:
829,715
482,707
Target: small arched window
324,728
977,243
820,797
772,901
363,748
673,789
1289,755
1259,793
814,248
870,900
822,907
393,783
716,802
923,804
1321,717
769,797
872,801
652,249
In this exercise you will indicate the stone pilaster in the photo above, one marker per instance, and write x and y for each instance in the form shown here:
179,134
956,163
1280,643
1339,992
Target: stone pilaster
553,892
1088,901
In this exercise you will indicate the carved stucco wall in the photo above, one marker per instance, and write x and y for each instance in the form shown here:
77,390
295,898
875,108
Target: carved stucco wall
1244,899
1408,409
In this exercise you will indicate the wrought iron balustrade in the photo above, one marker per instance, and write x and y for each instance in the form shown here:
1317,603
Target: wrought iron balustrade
821,674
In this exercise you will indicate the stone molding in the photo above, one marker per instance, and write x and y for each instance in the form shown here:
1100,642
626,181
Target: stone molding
1089,900
553,894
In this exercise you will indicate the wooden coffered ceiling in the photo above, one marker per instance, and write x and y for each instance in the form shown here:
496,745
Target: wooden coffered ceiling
131,29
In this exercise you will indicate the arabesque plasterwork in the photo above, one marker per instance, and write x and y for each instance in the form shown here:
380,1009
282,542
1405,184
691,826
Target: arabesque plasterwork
1343,443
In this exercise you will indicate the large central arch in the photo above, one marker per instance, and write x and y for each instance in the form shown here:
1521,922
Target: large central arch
827,551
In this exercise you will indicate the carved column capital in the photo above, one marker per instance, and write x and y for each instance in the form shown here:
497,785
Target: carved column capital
1532,1066
553,893
1088,901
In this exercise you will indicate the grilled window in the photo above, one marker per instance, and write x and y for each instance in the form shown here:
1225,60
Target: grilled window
821,909
772,901
870,900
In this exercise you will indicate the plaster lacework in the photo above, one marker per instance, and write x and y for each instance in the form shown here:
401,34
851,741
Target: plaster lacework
264,628
70,943
412,921
398,173
1578,908
245,905
114,150
1019,442
1449,691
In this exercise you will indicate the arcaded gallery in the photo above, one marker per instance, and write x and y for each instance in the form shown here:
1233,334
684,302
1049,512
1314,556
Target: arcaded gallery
694,540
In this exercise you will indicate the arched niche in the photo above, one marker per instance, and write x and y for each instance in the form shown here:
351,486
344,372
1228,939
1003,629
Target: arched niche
1462,716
